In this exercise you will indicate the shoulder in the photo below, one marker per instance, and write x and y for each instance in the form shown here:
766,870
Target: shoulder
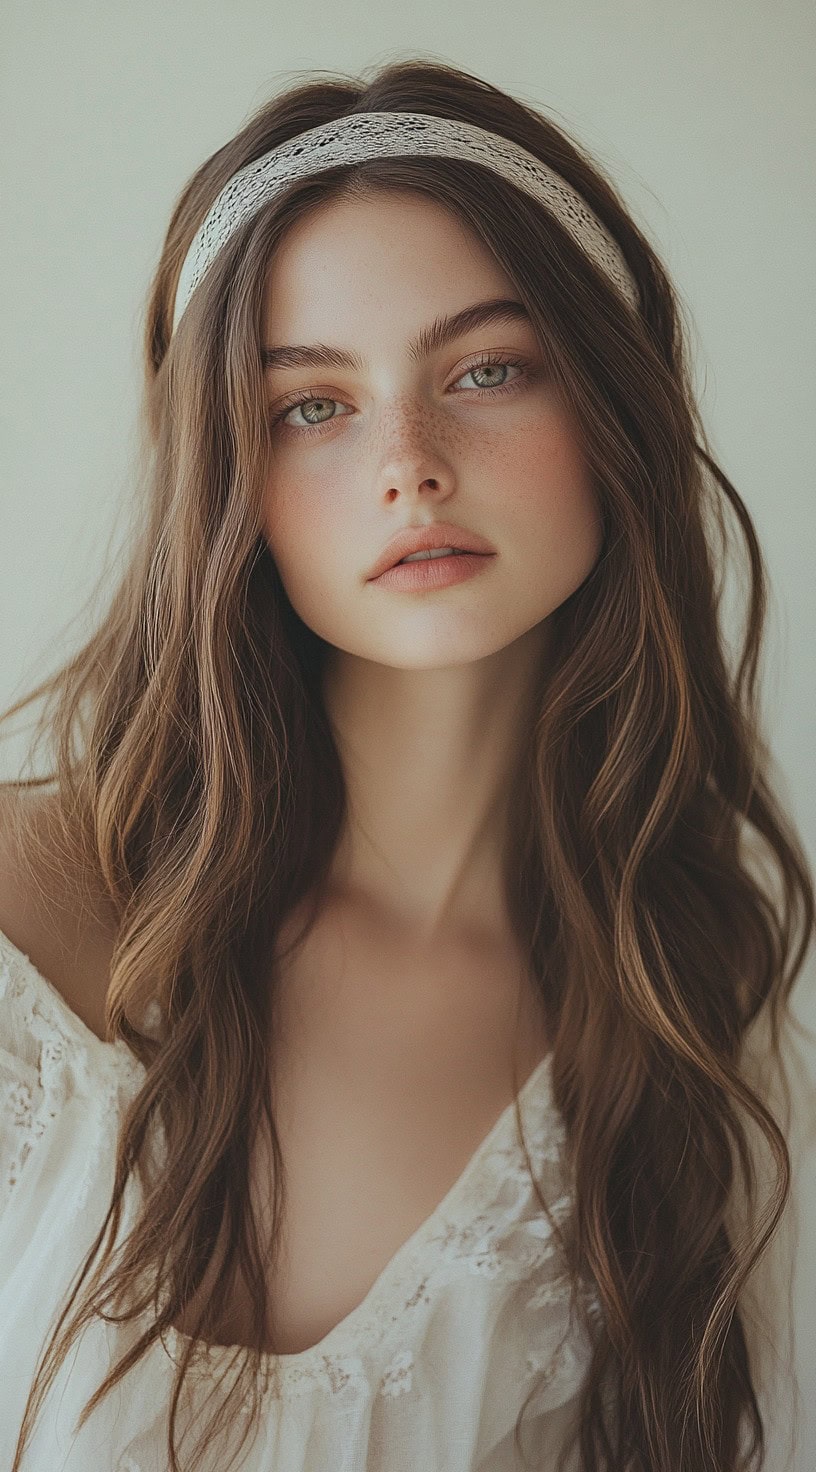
47,912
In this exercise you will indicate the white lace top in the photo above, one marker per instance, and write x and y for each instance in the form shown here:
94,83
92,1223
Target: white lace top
430,1371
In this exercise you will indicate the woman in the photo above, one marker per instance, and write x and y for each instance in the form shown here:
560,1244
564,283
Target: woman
379,971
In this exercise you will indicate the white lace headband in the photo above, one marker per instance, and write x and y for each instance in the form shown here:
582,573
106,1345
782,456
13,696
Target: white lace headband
364,135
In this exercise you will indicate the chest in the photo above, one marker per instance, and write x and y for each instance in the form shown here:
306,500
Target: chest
389,1069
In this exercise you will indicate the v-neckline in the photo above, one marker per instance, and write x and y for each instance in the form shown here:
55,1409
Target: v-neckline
461,1196
371,1314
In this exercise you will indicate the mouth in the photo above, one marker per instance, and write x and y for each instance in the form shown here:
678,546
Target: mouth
437,541
426,572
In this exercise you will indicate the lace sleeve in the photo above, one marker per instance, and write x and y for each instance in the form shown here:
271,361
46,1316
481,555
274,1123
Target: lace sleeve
50,1063
24,1104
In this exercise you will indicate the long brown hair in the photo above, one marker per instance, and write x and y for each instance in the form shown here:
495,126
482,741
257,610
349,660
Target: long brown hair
198,782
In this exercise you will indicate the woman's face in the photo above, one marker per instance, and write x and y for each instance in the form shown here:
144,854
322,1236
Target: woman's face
407,438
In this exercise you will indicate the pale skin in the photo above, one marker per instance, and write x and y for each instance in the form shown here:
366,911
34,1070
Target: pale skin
429,692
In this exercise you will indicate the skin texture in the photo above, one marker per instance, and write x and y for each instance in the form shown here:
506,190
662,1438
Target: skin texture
429,692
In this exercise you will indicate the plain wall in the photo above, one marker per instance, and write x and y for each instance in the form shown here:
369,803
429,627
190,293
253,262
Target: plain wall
702,114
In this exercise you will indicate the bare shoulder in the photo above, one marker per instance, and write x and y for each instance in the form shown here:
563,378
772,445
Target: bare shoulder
47,912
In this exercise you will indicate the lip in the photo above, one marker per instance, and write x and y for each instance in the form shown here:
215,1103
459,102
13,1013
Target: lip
424,538
434,572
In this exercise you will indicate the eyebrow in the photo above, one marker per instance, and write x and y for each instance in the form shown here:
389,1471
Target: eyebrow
441,331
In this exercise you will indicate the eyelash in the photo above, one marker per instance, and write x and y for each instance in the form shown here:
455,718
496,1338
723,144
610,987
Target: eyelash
488,360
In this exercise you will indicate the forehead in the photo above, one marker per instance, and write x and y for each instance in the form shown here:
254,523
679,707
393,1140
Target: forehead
392,259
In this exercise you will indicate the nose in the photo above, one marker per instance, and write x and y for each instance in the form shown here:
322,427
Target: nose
414,462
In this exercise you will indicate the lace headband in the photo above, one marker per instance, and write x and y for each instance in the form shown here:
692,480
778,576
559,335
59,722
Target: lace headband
364,135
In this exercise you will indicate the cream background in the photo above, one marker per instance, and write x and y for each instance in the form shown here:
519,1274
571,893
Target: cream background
702,114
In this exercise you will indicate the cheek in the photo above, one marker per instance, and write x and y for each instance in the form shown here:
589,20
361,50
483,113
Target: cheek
548,500
312,540
295,519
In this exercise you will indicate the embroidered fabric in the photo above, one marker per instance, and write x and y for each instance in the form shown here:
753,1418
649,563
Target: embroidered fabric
364,135
468,1316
